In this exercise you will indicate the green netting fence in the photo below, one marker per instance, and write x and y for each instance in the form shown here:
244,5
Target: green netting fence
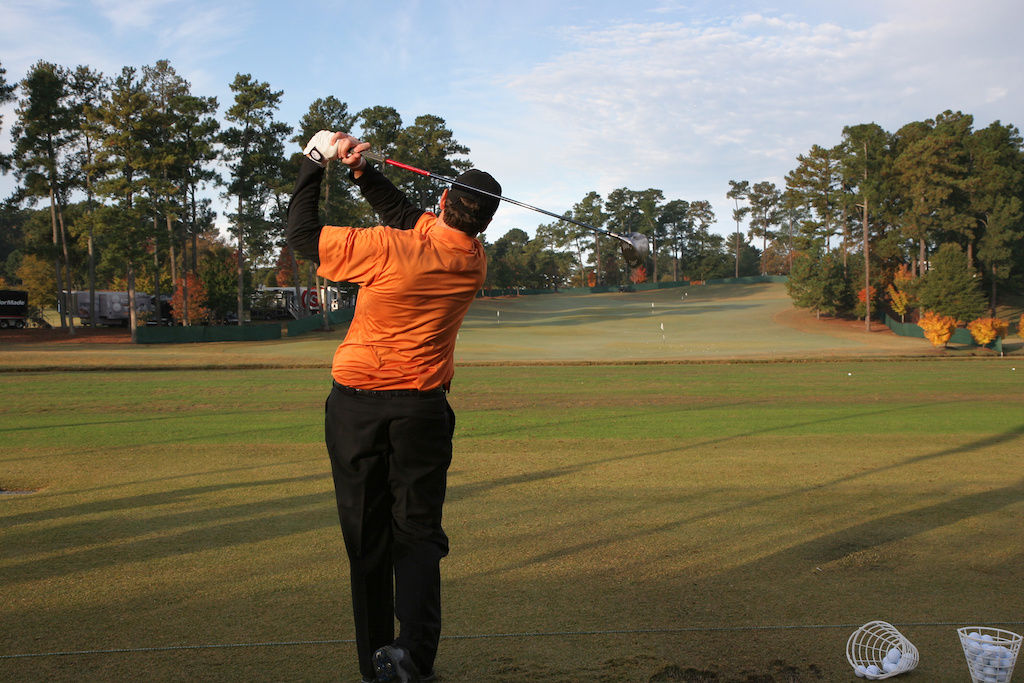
316,322
960,335
207,333
748,280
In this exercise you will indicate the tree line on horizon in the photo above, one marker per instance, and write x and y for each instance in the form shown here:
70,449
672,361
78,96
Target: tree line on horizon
937,201
114,176
928,218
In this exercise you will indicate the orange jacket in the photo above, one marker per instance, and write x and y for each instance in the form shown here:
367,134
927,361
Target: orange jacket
416,286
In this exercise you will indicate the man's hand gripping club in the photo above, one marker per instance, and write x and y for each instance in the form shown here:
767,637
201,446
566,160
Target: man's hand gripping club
325,147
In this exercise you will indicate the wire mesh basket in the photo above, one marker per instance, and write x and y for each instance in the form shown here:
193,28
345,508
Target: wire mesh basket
990,652
877,650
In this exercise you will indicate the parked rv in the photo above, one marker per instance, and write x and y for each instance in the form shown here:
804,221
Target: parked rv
112,308
13,308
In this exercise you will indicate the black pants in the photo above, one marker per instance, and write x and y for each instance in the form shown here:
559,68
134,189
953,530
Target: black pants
390,453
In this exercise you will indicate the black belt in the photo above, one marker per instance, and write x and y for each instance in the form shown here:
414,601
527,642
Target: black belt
389,393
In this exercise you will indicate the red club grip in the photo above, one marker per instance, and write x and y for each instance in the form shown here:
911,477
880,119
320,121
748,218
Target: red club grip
407,167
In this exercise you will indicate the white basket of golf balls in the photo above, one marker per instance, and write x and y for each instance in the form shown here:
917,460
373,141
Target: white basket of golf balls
877,650
990,652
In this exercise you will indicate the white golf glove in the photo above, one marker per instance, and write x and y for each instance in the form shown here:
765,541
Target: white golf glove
320,149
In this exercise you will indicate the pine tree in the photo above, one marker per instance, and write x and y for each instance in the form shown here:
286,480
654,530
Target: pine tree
127,121
950,286
765,213
428,143
380,126
864,157
255,148
739,190
88,90
337,205
635,211
676,223
931,168
41,139
565,235
814,184
817,281
196,129
166,163
6,95
708,257
996,189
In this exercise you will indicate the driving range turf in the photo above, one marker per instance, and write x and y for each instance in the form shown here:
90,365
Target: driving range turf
643,521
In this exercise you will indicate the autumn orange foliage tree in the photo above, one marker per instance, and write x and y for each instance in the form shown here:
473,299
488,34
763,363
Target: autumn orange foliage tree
987,330
197,310
860,310
937,328
899,301
638,275
899,291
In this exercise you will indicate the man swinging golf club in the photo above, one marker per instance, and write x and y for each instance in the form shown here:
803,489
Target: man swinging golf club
388,425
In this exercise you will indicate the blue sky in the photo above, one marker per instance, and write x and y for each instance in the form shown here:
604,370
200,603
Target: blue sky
557,99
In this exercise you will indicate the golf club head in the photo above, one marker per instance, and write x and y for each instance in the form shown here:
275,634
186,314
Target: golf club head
635,248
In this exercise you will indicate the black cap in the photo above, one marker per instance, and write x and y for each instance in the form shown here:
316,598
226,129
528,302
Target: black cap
479,180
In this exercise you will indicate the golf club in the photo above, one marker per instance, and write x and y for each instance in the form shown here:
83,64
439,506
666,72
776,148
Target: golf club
635,247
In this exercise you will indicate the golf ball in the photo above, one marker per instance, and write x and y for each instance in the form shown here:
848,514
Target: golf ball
893,655
872,671
849,374
859,671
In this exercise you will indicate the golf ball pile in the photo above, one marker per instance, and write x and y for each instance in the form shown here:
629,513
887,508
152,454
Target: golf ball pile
890,663
989,662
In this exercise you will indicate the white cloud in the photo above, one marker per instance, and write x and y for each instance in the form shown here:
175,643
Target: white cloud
675,94
691,106
44,29
132,15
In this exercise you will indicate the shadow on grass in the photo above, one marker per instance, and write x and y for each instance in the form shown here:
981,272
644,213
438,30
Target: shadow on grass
134,419
147,500
846,541
116,535
202,436
895,527
646,411
195,475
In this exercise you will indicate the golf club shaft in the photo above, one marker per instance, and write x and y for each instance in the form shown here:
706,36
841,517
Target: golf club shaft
398,164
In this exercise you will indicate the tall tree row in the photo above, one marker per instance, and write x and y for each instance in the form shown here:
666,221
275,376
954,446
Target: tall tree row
899,199
116,173
41,137
565,254
254,149
115,181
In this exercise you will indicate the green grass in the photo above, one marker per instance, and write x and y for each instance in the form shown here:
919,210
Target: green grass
656,515
697,323
694,324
